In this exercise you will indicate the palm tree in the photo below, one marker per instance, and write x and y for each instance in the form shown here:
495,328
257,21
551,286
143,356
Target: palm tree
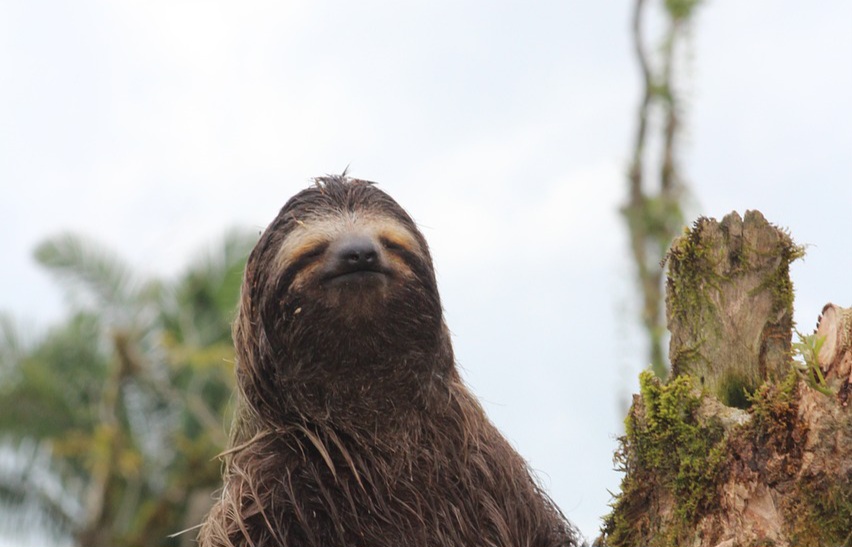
128,398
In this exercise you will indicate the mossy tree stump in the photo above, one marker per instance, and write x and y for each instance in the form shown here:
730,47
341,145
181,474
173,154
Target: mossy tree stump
729,304
743,445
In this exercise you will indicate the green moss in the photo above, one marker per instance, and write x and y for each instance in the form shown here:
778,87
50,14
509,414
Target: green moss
779,282
823,515
691,278
774,408
690,272
665,445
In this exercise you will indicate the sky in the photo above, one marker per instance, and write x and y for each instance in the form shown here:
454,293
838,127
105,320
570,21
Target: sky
504,128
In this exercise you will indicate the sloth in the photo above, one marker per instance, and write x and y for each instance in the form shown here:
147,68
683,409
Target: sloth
353,427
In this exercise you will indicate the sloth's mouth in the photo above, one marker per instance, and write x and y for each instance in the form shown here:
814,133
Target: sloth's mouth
356,277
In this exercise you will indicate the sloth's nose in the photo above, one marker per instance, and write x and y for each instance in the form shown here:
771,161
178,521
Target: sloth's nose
356,252
353,258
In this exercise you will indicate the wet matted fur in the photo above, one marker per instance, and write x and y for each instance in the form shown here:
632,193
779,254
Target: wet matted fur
353,427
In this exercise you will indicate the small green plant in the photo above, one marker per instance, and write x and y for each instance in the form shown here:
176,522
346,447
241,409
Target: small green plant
806,364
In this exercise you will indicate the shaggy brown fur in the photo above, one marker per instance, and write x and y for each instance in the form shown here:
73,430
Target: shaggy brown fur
353,427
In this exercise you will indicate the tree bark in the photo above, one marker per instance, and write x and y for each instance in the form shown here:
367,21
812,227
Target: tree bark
701,472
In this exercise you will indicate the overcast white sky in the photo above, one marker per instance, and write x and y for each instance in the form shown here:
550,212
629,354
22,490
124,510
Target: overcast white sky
503,128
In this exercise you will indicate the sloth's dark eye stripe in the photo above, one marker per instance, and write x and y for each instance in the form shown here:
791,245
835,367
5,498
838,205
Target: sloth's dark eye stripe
313,252
303,260
392,245
413,260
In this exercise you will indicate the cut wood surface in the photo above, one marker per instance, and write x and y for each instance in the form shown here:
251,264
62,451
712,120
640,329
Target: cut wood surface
835,356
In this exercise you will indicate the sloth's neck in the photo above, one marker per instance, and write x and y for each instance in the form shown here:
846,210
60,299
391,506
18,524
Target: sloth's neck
368,393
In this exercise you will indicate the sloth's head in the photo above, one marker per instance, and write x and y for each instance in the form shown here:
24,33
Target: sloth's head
339,295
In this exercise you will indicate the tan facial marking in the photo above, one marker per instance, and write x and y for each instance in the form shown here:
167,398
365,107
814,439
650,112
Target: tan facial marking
399,236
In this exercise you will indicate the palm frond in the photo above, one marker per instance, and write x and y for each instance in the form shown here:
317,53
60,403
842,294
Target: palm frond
30,483
82,264
55,385
130,392
207,292
11,347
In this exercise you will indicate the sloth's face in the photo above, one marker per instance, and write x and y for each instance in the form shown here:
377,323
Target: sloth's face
340,302
344,254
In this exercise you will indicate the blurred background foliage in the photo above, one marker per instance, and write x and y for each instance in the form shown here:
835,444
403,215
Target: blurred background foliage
113,419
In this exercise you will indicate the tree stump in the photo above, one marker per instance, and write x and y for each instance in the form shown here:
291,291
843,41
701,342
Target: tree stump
699,471
729,304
